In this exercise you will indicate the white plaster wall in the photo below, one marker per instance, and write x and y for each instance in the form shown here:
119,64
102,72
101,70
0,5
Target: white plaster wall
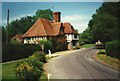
25,41
75,38
69,37
33,39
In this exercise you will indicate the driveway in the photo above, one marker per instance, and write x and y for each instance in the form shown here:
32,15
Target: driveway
79,65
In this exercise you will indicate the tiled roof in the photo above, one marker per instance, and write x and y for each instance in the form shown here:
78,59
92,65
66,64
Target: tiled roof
18,37
56,27
68,29
42,27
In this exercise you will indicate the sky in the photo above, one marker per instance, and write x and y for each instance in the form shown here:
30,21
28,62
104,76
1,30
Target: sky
77,13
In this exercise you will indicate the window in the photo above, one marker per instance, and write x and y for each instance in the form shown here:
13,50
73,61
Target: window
75,36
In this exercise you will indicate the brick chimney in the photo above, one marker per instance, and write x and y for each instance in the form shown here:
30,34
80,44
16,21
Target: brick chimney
56,16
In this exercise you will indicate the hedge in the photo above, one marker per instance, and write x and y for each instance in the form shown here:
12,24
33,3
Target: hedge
58,46
17,51
113,48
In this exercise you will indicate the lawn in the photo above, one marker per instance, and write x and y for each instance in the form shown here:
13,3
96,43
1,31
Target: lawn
111,61
87,45
8,70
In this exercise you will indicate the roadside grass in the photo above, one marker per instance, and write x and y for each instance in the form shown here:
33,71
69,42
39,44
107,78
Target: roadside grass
110,61
88,45
48,58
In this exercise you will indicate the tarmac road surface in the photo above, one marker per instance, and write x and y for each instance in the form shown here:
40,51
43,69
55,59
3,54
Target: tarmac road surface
79,65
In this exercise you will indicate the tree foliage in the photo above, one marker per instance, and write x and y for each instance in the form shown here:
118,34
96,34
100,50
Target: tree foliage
20,26
85,37
104,25
47,14
45,45
105,28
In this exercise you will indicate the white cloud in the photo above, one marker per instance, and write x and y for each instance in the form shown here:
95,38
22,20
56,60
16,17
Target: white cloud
79,22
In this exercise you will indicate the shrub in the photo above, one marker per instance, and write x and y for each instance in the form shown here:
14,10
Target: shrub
112,48
30,69
34,62
40,56
27,72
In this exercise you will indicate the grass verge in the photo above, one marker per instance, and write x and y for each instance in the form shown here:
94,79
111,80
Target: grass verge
110,61
88,45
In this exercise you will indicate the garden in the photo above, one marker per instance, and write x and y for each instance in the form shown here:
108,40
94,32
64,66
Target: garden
27,69
24,62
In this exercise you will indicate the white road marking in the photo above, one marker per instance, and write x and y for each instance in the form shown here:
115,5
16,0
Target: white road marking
49,75
91,59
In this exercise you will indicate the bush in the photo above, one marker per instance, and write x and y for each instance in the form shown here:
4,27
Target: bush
39,56
17,51
112,48
27,72
30,69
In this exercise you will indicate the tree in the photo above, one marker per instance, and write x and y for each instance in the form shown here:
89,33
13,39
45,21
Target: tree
104,25
20,26
105,28
45,45
3,35
47,14
85,37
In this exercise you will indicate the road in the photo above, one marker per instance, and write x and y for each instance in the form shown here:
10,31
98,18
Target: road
79,65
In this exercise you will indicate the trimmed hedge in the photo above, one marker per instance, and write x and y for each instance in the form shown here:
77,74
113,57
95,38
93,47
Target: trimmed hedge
17,51
58,46
113,48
